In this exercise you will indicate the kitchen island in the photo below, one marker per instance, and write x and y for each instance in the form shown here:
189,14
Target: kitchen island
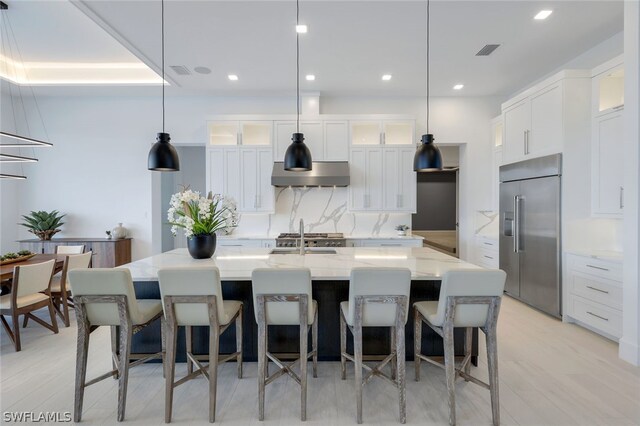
330,276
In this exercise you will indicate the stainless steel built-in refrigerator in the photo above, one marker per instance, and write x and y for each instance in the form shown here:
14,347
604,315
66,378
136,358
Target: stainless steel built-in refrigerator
530,231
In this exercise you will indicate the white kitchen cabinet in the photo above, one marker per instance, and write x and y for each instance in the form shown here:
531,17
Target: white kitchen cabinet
495,178
336,140
313,138
382,179
366,188
234,132
256,193
547,118
595,294
382,132
487,252
608,87
399,179
223,172
607,160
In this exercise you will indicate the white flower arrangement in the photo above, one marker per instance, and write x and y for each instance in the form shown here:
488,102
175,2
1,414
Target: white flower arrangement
199,215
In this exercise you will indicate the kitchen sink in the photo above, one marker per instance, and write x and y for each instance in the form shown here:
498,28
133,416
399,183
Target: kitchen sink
307,251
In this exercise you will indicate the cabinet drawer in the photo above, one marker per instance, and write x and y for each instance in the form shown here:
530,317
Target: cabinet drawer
488,243
597,316
488,259
597,267
239,243
596,289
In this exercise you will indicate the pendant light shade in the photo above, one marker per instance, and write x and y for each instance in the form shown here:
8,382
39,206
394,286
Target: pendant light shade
428,157
163,157
298,157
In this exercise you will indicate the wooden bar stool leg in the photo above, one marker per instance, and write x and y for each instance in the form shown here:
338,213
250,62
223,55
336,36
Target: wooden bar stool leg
114,349
82,353
303,367
163,345
343,347
417,342
123,381
189,344
357,352
239,342
314,344
450,372
392,347
467,349
492,362
262,361
400,360
170,369
214,336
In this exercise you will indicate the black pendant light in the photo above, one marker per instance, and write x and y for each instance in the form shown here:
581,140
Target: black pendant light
163,157
298,157
427,157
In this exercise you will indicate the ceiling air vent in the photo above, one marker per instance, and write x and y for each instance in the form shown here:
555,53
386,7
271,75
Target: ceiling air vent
487,50
180,69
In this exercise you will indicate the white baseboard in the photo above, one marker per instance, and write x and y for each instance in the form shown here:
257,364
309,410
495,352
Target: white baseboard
629,352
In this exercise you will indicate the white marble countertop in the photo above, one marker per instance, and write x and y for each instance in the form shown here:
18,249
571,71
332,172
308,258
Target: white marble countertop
347,237
237,263
613,256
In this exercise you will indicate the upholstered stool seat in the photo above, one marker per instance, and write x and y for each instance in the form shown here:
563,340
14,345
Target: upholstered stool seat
106,297
283,297
468,298
193,297
378,297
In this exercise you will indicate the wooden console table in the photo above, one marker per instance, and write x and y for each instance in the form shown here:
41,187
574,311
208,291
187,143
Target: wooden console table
106,253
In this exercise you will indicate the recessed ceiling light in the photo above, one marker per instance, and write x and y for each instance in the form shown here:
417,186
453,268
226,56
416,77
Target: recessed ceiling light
543,14
310,77
301,29
233,77
458,86
386,77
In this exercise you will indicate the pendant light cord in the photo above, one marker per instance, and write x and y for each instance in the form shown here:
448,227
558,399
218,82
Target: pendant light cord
297,67
428,30
162,26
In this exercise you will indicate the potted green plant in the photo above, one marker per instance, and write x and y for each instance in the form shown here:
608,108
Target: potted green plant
43,224
200,218
402,230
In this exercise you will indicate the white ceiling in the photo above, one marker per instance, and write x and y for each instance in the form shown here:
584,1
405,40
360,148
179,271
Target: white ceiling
349,46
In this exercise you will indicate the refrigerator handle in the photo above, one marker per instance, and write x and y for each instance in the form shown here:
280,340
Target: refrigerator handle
516,223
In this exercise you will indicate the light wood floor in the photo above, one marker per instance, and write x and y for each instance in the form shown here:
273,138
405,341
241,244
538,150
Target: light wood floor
550,374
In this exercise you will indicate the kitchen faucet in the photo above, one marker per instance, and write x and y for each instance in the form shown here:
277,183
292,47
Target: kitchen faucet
301,237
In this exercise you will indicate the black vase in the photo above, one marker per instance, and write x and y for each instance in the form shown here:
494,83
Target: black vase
202,246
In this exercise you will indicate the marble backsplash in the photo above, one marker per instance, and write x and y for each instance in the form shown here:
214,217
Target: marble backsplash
486,223
323,210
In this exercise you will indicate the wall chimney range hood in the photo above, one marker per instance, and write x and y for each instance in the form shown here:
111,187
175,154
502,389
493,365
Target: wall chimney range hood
323,173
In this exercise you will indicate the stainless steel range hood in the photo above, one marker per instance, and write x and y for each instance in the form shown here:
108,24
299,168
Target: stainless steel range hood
323,173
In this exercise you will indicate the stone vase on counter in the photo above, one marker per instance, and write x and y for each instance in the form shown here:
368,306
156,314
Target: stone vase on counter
119,232
202,246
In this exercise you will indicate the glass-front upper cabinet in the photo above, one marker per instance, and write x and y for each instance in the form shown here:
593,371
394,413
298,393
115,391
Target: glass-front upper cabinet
608,88
383,132
240,133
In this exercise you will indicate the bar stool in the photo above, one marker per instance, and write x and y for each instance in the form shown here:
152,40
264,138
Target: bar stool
468,298
281,297
193,297
106,297
378,297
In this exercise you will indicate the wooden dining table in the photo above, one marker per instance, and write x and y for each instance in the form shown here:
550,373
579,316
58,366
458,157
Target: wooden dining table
6,271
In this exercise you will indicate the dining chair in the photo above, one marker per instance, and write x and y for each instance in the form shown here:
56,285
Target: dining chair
75,249
378,297
106,297
60,291
283,297
468,299
30,291
193,297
